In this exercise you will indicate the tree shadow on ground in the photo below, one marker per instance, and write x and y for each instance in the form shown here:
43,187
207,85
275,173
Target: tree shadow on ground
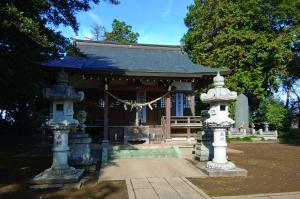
17,171
91,189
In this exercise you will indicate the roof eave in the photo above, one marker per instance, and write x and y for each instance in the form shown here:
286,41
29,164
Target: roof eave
141,74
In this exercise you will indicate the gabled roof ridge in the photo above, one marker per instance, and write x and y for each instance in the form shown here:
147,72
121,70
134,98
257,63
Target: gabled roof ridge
125,45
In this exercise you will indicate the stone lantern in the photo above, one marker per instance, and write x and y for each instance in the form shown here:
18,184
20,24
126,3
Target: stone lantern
218,121
62,97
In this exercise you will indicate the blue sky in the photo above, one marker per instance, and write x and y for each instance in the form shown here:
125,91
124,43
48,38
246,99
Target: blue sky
157,21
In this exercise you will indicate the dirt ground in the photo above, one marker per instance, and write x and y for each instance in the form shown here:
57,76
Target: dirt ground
91,189
272,168
15,172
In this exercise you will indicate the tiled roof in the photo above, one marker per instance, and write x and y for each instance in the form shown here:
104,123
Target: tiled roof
121,57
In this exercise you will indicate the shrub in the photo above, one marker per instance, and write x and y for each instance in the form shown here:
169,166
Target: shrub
274,112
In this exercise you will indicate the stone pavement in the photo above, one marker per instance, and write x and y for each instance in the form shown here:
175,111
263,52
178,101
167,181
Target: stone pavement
163,188
122,169
181,188
165,178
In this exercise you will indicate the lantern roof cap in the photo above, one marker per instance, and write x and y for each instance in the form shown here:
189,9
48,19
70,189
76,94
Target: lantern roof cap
61,90
218,93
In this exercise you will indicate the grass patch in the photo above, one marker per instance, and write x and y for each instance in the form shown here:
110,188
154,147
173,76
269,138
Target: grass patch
290,137
244,139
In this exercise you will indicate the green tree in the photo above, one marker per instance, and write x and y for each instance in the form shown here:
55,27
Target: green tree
27,38
121,32
274,112
258,40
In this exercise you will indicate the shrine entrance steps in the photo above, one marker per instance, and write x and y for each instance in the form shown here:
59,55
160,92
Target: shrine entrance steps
145,151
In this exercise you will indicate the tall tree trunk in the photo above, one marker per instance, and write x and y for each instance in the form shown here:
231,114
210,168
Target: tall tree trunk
298,113
288,95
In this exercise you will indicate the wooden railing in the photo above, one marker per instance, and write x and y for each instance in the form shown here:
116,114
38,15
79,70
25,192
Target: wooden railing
184,121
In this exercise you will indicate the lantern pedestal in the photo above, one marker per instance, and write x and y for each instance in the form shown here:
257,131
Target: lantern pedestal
60,172
220,146
220,166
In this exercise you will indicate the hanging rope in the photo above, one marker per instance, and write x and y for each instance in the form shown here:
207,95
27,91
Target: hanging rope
137,105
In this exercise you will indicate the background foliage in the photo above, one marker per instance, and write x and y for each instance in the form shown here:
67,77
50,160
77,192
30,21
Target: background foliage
27,38
121,32
258,40
274,112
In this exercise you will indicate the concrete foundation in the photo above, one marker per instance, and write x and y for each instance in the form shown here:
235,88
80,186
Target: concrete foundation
49,177
235,172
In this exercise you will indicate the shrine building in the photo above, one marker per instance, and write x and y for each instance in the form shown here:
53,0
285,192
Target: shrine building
136,92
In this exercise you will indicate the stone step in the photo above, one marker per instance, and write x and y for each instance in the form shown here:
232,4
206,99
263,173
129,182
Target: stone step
142,156
144,153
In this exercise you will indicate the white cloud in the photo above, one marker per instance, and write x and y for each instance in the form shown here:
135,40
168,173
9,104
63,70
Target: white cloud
96,19
84,33
168,9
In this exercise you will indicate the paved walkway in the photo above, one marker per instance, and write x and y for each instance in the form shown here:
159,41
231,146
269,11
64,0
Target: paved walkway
122,169
164,178
181,188
163,188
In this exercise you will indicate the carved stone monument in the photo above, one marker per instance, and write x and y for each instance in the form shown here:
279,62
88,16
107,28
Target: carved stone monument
80,143
241,112
61,123
218,98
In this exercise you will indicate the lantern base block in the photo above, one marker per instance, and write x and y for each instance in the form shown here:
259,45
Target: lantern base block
225,170
52,178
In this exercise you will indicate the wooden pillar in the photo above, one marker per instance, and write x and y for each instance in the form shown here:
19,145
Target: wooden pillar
192,104
106,107
168,116
188,132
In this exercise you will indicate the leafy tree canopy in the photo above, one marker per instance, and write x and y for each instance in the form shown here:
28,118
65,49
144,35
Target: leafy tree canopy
28,37
121,32
258,40
274,112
